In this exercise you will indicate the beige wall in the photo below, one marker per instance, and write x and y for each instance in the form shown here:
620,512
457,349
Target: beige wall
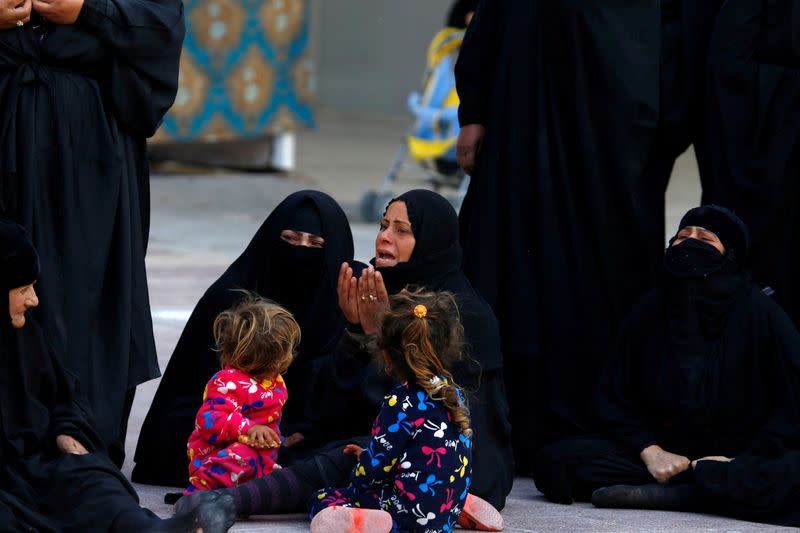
371,53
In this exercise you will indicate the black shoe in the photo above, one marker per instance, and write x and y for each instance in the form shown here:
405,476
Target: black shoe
653,496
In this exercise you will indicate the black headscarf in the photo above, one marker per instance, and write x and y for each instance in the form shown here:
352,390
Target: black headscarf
435,264
19,264
301,279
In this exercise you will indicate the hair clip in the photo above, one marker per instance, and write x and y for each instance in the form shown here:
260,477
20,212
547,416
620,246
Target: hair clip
420,311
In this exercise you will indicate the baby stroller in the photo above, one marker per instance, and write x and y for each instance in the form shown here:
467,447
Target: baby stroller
430,145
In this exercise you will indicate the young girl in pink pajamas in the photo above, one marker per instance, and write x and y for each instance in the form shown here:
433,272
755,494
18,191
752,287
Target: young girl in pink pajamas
237,433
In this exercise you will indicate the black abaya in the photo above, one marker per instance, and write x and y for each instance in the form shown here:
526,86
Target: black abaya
751,158
303,280
41,488
75,109
586,105
711,390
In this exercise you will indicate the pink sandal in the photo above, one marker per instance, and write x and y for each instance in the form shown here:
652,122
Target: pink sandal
481,515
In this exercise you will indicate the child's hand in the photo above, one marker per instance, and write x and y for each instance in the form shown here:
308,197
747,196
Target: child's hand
353,449
293,439
262,437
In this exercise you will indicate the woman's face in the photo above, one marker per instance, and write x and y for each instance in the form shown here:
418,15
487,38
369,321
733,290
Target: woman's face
301,238
701,234
395,241
20,300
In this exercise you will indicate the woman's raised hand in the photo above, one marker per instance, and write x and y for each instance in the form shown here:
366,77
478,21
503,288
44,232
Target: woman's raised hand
14,13
347,288
59,11
373,299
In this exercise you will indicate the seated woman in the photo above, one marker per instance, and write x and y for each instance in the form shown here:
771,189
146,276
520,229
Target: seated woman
293,259
56,475
700,407
416,245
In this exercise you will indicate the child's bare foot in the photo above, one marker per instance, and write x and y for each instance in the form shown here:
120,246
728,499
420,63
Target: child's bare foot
351,520
480,514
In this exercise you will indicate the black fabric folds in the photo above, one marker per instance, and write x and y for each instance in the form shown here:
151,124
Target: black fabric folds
586,105
20,262
76,104
299,278
749,155
38,402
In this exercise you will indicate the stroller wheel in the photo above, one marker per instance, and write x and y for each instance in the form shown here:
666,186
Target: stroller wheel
373,205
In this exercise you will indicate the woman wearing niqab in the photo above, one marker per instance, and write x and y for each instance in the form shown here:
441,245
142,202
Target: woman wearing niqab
300,278
702,393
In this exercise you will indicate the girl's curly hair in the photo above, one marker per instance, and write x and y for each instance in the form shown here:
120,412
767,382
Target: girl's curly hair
256,336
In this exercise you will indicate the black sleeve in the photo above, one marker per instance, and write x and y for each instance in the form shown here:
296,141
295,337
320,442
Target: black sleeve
69,416
475,66
146,37
782,347
348,386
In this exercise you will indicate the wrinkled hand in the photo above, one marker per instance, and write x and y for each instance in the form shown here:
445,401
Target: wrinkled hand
719,458
470,139
71,445
59,11
13,11
662,465
353,449
347,289
373,299
262,437
293,439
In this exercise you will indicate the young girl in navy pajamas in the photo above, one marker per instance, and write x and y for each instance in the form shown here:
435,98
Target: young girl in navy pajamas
415,473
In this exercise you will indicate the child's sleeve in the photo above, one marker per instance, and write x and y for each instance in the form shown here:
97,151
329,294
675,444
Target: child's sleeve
274,406
391,434
220,418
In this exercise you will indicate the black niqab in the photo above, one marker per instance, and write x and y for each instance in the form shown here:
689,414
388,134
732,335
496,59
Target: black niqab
301,279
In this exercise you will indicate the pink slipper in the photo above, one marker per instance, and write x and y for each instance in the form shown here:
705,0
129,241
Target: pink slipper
479,514
351,520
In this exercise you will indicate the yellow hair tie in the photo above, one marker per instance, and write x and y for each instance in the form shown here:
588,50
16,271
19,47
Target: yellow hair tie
420,311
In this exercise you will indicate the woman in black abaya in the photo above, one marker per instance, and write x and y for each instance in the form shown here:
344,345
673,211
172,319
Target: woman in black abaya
54,473
82,85
293,259
702,396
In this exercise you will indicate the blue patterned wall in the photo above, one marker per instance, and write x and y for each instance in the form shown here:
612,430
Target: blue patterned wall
246,70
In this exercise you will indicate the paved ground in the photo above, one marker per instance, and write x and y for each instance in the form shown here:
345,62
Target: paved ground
201,223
